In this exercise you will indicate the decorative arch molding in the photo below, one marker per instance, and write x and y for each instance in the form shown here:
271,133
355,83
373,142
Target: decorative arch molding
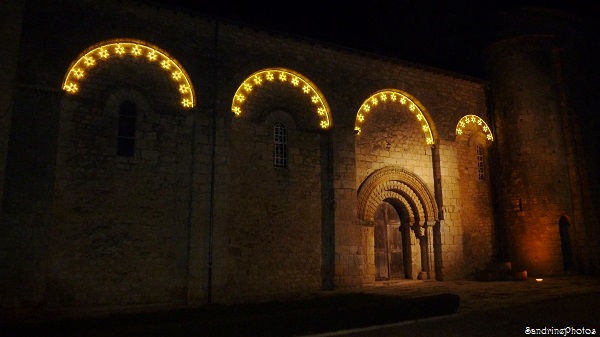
472,123
138,49
403,202
394,96
400,191
285,77
399,182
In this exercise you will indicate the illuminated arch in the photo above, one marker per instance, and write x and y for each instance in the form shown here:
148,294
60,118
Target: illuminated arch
283,76
392,96
138,49
468,120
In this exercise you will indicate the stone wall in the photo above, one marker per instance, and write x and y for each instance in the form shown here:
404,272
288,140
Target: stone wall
200,206
10,39
475,197
124,217
11,238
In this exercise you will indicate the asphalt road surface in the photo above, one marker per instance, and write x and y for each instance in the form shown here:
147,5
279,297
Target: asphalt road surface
576,315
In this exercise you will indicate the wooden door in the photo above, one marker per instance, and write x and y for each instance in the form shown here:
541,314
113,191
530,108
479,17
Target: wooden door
389,262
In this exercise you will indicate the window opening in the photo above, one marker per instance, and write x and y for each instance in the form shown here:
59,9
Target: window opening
126,129
480,164
280,140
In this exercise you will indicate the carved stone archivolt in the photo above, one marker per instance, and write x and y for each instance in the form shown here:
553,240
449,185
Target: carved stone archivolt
399,186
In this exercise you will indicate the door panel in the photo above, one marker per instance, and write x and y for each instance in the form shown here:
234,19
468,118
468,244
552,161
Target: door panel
381,255
396,260
389,257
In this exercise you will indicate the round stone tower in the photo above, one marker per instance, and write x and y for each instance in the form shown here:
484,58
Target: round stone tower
537,184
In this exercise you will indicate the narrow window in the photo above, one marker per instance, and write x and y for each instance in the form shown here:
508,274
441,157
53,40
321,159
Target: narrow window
480,164
126,131
280,140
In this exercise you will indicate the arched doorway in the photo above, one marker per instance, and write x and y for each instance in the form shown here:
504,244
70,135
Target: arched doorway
403,213
565,243
391,244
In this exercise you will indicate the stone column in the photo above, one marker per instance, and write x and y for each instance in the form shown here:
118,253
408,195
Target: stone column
349,248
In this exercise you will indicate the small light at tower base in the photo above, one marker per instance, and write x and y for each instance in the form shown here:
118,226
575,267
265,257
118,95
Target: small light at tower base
539,279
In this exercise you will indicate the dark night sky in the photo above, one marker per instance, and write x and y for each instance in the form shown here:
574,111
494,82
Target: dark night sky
446,34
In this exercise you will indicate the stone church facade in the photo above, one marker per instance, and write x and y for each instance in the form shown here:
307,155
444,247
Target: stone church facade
154,158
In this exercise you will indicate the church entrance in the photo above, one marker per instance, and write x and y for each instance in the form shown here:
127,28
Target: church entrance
392,245
565,243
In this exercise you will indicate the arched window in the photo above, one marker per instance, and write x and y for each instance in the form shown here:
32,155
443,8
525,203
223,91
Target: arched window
126,129
480,163
280,140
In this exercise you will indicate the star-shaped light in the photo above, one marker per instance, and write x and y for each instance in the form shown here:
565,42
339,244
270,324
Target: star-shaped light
136,51
280,76
383,97
78,72
184,88
152,56
119,49
71,87
89,61
103,53
176,75
186,103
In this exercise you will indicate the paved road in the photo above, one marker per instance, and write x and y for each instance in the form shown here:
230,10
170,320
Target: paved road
486,309
574,311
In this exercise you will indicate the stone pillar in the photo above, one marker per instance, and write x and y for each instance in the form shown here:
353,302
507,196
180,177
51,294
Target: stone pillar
435,237
327,215
423,246
350,255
